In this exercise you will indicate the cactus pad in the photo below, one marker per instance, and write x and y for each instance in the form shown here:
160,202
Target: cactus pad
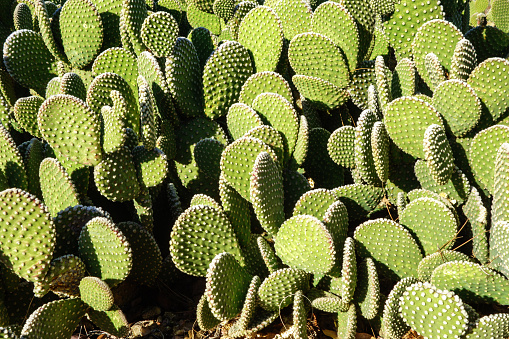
264,82
322,93
159,32
277,290
432,261
57,188
96,293
341,146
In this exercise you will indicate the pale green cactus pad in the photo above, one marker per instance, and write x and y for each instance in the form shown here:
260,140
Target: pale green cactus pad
264,82
275,290
432,261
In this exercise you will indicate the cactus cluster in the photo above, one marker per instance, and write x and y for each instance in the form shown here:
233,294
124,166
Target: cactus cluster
347,156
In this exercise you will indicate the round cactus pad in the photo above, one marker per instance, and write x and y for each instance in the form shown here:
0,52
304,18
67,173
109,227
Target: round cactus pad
264,82
322,93
393,326
277,289
159,32
432,261
241,118
341,146
96,293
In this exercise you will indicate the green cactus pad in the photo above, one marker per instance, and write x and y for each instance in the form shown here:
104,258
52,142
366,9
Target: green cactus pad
22,17
114,136
359,199
488,42
490,326
264,82
404,79
151,165
238,211
34,156
150,70
315,203
490,84
322,93
271,137
325,301
63,277
380,149
201,224
341,146
119,61
43,21
105,251
477,214
483,153
16,207
438,154
132,15
432,261
199,18
406,111
72,84
277,289
295,16
463,60
362,78
335,22
144,209
11,161
112,321
348,272
81,31
27,47
383,76
207,154
391,262
314,54
402,28
367,293
232,63
202,199
57,187
363,154
499,11
262,23
53,87
498,246
204,316
304,242
96,293
158,33
56,319
423,305
148,111
272,262
435,72
25,112
147,258
183,74
115,176
500,202
241,118
472,282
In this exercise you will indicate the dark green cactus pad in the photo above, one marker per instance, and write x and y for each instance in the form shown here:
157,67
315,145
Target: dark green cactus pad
347,322
226,287
266,193
199,18
268,253
148,112
237,162
11,161
238,211
99,92
498,246
464,60
232,63
315,203
323,94
304,242
144,209
72,84
43,21
159,32
438,154
201,224
183,73
204,316
27,47
56,319
22,17
119,61
477,214
483,153
26,220
58,190
336,221
151,165
82,128
262,24
132,15
359,199
25,112
114,135
391,262
423,305
271,137
407,111
302,145
402,28
79,173
432,261
52,88
500,202
490,84
96,293
362,78
490,326
151,71
34,156
166,141
435,72
115,176
147,258
207,154
247,313
224,9
239,12
335,22
276,290
472,282
404,78
365,20
63,277
363,154
110,15
81,31
264,82
105,251
10,332
341,146
314,54
367,292
295,16
393,326
241,119
488,41
112,321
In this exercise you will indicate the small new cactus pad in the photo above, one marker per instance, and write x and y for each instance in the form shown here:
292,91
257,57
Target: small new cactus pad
490,326
204,316
148,111
432,261
489,81
232,63
401,28
114,135
56,319
314,54
119,61
432,312
438,154
11,161
159,32
241,118
347,322
322,93
348,272
410,111
25,111
367,292
363,154
335,22
25,220
266,193
341,146
477,215
25,47
262,24
463,60
459,105
96,293
226,287
383,76
105,251
201,223
183,75
272,262
64,117
295,16
483,153
237,162
115,176
150,69
325,301
404,79
434,70
81,32
301,146
276,291
315,203
391,262
393,326
264,82
380,146
57,188
304,242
